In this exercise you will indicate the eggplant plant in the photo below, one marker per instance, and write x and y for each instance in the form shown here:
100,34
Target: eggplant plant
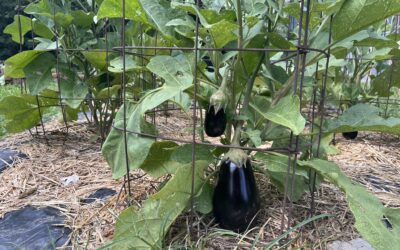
69,58
247,97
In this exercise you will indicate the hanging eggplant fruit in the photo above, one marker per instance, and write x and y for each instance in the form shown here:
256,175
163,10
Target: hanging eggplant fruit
350,135
236,200
215,120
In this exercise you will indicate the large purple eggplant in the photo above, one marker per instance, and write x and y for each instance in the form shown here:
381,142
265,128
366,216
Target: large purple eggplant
236,199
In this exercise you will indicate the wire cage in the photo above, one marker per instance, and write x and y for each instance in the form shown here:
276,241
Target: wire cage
120,92
292,58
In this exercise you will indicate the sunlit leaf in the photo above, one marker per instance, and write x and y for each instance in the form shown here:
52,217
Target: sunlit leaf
38,73
287,113
354,16
363,117
145,228
20,26
14,66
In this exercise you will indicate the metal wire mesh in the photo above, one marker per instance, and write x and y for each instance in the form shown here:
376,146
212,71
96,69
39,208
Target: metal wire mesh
294,59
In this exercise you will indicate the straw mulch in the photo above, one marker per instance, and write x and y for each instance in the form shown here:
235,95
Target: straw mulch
37,181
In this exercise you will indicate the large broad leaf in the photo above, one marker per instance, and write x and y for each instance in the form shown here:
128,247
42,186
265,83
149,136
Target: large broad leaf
287,113
276,167
158,161
222,32
219,28
363,117
63,19
145,228
354,16
138,147
165,157
388,78
14,66
82,19
21,112
366,208
113,9
73,90
255,7
97,58
42,30
38,73
176,70
117,65
377,41
177,73
42,8
159,12
15,30
258,107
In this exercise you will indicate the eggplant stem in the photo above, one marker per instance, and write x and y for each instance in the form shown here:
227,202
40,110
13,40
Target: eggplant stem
246,101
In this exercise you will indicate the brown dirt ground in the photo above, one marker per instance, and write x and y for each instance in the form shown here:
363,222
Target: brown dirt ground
371,159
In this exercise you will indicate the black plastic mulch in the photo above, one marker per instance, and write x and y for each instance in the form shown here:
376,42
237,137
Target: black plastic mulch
100,194
7,157
33,228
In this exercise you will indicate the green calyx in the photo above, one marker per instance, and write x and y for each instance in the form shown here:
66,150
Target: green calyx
218,100
237,156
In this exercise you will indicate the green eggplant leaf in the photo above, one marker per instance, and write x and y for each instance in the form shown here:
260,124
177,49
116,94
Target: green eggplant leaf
258,106
138,147
362,117
165,157
110,92
159,13
381,84
38,73
222,33
354,16
157,162
97,58
175,70
117,66
113,9
73,90
253,135
177,74
146,227
82,19
14,66
183,154
63,19
14,29
287,113
276,165
368,211
42,30
203,200
45,44
42,8
21,112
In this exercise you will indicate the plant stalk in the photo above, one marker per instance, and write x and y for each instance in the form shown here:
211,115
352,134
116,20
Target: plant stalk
246,102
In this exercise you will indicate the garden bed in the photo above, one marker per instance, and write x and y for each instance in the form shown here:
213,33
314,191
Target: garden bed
39,181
